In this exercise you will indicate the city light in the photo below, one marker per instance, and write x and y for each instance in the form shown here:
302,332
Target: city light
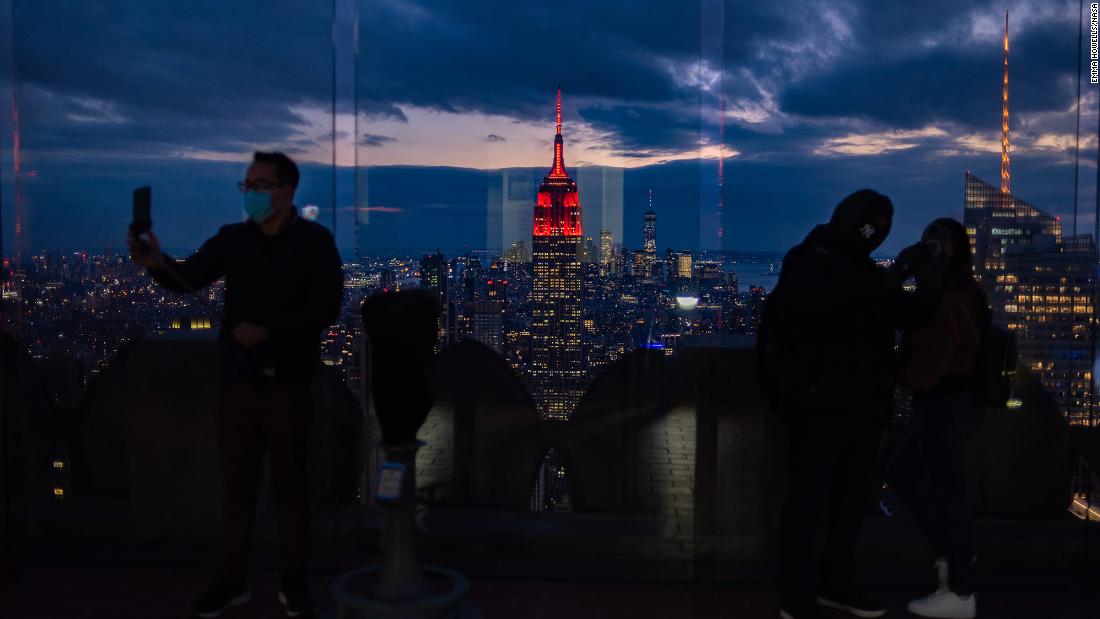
687,302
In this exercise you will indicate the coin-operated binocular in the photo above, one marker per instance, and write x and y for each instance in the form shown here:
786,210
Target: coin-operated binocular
401,329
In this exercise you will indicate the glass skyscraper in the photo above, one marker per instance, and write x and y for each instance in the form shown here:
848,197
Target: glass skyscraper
1040,285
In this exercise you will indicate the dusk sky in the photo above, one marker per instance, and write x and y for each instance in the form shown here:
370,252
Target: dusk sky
821,98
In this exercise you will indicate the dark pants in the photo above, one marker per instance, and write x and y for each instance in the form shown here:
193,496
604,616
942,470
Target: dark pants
253,416
930,477
831,462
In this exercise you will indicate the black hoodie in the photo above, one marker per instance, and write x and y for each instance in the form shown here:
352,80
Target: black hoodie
831,319
291,283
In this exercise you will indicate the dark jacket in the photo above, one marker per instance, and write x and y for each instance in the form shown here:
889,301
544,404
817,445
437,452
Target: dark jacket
291,283
942,354
830,324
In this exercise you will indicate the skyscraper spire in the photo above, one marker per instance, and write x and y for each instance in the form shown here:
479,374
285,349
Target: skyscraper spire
558,209
557,170
721,157
17,175
649,237
559,109
1005,176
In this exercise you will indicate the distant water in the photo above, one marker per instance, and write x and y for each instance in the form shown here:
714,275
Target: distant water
752,268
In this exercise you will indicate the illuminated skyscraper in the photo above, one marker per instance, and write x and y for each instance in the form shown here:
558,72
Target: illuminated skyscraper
758,296
487,323
683,265
638,265
590,254
1039,285
557,365
434,275
606,255
517,253
649,238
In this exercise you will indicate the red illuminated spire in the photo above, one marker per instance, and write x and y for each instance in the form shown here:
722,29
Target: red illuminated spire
558,169
1005,175
558,211
559,111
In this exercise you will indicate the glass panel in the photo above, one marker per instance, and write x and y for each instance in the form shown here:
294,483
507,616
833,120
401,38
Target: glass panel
599,198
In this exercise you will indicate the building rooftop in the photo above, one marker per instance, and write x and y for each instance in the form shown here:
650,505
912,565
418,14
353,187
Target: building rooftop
676,479
148,581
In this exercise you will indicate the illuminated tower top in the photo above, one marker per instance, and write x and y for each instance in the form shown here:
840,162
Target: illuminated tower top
1005,176
557,169
558,132
649,232
558,210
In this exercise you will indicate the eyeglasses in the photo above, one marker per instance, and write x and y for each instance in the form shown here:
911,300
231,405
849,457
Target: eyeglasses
257,186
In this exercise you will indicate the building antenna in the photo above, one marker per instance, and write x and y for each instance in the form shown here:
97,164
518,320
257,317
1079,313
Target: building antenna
355,129
721,157
558,169
15,152
333,119
559,111
1077,143
1005,176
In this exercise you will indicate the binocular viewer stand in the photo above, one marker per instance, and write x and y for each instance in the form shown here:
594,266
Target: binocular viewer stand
400,588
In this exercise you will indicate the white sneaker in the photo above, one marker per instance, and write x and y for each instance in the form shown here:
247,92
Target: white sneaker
941,571
945,605
941,574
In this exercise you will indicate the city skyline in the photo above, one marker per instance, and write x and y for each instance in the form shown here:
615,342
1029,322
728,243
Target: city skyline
796,138
438,348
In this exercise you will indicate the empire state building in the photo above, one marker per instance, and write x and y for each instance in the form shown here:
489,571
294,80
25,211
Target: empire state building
557,364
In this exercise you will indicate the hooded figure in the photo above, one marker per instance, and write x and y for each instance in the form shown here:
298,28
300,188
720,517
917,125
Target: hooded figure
826,347
827,338
864,216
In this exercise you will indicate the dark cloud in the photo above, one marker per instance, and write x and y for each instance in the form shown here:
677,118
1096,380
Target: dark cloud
109,83
372,139
492,137
643,131
213,77
901,83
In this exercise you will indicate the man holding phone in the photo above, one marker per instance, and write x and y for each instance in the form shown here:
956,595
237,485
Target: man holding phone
283,287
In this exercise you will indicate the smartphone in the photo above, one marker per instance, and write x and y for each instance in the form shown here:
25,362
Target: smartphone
142,219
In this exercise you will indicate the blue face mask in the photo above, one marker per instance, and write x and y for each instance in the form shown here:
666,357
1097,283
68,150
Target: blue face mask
258,205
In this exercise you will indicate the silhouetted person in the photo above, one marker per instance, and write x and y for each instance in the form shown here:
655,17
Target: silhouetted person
283,287
937,363
827,347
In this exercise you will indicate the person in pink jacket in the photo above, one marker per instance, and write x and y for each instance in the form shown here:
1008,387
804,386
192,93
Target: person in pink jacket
937,363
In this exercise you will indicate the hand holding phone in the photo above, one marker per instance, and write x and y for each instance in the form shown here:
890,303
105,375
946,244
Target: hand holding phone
144,245
145,251
142,219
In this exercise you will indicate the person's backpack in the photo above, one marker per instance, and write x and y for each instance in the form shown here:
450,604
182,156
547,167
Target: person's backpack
995,370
